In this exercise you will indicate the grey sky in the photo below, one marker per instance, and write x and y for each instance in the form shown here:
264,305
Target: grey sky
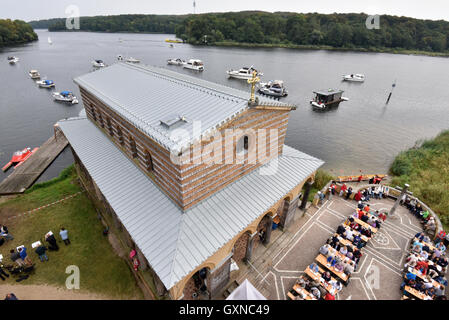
43,9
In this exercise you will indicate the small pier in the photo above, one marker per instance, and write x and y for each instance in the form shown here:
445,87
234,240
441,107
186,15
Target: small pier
26,174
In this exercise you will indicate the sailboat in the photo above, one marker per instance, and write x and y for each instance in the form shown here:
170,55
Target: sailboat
49,41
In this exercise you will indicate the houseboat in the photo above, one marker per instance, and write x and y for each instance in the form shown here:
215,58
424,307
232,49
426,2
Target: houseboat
327,99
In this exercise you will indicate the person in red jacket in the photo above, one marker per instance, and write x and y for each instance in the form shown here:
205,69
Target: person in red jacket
358,196
422,266
329,296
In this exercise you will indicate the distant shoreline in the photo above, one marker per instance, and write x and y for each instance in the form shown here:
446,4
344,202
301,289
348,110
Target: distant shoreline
289,46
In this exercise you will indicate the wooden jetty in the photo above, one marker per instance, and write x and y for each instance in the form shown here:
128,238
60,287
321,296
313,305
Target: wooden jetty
29,171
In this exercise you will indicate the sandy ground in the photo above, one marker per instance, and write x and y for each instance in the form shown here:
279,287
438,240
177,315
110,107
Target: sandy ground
44,292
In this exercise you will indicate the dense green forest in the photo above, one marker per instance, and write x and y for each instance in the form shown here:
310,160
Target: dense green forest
284,29
120,23
15,32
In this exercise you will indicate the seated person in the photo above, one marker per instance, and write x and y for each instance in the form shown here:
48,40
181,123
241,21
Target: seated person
409,280
357,256
324,249
365,218
440,246
343,250
360,205
316,292
348,234
411,261
336,285
420,235
350,255
349,268
424,255
302,282
314,267
341,230
422,266
366,232
339,266
326,276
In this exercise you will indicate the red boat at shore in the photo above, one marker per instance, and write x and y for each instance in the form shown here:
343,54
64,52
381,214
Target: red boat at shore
19,157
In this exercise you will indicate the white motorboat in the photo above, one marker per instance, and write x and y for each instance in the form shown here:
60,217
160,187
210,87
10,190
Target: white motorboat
274,88
132,60
98,63
354,78
46,83
34,74
65,96
244,73
13,60
194,64
176,62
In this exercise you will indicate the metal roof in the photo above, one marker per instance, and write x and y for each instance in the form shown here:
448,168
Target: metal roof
145,95
176,242
328,92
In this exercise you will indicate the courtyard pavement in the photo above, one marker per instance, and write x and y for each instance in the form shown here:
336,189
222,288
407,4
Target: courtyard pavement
275,268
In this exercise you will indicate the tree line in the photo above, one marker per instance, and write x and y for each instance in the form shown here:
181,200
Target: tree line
15,32
279,28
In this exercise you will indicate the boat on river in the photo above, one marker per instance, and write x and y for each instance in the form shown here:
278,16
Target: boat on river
325,99
46,83
34,74
354,77
194,64
176,62
173,41
13,60
19,157
65,96
273,88
132,60
98,63
244,73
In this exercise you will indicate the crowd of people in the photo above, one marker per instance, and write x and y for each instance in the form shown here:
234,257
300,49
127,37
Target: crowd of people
21,263
342,252
425,269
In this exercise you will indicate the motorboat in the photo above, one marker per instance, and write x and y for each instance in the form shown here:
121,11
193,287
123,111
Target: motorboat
132,60
98,63
194,64
13,60
65,96
173,41
49,41
176,62
19,157
46,83
244,73
274,88
354,77
327,98
34,74
171,45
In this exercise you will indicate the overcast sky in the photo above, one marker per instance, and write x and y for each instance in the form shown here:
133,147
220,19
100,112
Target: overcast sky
42,9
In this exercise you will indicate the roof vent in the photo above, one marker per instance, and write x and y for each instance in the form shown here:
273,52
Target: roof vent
173,121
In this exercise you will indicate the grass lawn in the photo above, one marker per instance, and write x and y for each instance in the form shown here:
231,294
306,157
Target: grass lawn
101,270
426,169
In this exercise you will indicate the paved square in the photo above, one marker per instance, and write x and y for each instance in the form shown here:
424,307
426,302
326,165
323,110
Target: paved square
275,268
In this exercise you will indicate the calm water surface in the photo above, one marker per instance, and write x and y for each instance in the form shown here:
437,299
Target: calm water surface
362,133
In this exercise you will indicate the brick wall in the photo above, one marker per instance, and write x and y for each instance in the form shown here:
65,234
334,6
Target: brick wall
240,247
189,183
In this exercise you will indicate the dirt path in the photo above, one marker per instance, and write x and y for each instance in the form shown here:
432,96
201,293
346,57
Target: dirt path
44,292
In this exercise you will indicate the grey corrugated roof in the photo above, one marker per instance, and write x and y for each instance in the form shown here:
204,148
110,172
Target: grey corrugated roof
175,243
144,95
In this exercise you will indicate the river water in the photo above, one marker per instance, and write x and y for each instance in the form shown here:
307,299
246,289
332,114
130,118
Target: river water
362,134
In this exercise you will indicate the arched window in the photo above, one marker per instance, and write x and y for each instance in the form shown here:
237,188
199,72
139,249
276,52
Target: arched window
120,136
243,144
133,146
148,161
100,117
109,125
92,111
